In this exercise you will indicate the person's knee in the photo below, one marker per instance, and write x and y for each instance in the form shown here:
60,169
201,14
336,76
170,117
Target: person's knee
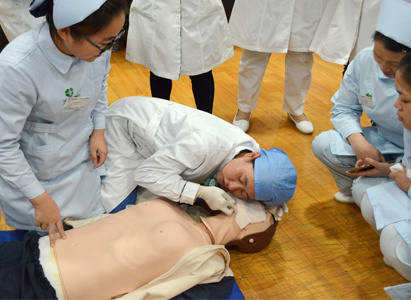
321,145
367,211
396,251
358,189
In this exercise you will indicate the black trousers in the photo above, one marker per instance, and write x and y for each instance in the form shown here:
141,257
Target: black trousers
21,275
202,85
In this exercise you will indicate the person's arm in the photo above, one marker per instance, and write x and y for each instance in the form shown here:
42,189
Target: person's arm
347,110
363,149
98,147
161,172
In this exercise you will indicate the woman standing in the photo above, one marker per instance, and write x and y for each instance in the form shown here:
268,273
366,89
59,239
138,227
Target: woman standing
54,100
173,38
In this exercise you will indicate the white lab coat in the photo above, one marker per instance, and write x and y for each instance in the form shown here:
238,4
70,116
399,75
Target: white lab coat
346,28
15,18
178,37
165,147
275,25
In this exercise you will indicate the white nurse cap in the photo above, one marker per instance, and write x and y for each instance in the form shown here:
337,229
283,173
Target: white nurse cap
66,12
394,21
70,12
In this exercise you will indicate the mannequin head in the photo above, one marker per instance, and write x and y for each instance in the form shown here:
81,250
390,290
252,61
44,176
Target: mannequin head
252,238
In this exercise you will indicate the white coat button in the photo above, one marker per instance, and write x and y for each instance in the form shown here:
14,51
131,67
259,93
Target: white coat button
159,112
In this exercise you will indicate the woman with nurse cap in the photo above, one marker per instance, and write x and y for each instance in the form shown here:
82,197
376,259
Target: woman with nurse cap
368,87
54,100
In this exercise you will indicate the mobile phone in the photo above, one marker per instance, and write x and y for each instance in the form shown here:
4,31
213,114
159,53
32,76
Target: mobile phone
362,168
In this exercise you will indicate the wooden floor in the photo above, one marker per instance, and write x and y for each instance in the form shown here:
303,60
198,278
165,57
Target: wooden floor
322,249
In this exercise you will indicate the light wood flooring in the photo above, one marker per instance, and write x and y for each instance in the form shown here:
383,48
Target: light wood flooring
322,249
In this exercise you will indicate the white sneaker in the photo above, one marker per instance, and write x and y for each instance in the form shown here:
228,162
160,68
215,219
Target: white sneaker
341,198
242,124
305,127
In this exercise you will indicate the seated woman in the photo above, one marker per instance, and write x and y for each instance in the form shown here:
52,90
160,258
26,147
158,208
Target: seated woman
368,87
138,252
387,207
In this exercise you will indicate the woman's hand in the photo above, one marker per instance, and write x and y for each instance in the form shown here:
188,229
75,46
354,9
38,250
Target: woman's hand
48,216
381,169
98,148
401,180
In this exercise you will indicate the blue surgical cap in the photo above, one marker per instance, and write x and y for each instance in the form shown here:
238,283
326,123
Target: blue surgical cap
275,177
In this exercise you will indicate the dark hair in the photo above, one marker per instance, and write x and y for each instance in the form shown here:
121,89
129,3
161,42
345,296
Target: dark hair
389,43
405,68
94,22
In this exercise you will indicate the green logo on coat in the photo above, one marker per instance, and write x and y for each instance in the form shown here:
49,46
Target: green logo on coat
69,92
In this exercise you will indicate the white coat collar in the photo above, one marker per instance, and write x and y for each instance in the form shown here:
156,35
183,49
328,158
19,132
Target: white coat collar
61,61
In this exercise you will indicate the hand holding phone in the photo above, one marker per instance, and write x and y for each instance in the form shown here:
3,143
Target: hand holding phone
361,168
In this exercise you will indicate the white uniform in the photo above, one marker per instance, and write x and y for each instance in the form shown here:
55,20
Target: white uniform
262,27
44,146
15,18
364,89
165,147
387,209
178,37
345,29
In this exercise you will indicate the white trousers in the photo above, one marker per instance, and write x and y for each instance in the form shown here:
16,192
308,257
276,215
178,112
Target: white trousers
297,81
396,251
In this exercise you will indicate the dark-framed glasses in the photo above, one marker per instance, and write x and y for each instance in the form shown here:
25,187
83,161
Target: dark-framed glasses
109,45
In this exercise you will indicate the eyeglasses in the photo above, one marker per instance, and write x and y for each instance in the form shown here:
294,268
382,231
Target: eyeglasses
109,45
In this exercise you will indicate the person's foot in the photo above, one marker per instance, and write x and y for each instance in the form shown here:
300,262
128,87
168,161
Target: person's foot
341,198
302,123
242,120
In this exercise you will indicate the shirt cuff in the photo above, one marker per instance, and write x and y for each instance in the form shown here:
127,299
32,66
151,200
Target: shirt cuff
33,190
189,192
99,122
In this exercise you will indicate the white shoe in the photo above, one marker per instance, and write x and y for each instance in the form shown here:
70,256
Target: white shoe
242,124
305,127
341,198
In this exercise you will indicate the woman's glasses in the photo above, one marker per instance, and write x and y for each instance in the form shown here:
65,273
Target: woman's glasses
109,45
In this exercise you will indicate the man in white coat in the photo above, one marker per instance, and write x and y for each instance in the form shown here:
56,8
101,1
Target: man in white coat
170,149
15,18
262,27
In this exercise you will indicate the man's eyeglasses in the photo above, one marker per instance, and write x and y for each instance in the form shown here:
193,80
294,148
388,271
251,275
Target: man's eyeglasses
109,45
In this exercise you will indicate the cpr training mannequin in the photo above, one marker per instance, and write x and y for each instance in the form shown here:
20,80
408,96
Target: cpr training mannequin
126,251
170,149
52,118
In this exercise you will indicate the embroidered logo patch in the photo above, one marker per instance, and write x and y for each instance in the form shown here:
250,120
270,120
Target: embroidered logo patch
69,92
